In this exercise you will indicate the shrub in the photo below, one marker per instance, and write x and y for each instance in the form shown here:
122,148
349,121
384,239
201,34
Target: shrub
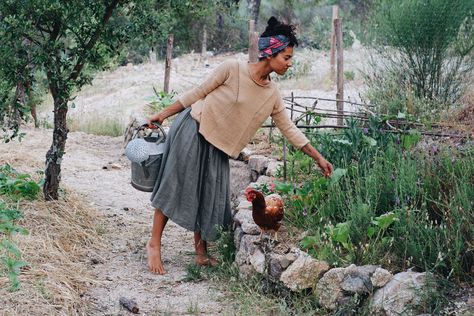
423,54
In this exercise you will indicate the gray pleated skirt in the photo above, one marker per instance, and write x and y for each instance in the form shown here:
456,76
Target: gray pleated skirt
192,188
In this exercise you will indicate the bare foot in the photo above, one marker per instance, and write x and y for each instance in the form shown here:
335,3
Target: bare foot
203,260
154,259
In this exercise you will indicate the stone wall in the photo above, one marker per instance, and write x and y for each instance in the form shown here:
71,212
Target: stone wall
285,264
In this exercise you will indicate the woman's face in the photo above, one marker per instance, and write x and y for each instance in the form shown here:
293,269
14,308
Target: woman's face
282,61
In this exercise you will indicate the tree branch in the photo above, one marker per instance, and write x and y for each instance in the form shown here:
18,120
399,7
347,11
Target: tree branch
80,63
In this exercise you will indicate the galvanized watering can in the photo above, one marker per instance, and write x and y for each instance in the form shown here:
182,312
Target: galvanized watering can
146,152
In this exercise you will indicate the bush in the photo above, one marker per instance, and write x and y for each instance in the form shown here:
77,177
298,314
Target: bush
423,54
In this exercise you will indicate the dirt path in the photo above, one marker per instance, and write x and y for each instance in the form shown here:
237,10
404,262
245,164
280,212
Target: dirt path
121,270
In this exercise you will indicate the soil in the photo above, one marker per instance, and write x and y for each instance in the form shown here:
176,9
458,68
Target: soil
95,168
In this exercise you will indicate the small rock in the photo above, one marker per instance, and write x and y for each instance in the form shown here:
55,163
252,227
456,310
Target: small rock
246,249
258,163
274,265
288,259
251,228
244,205
238,233
246,271
328,290
400,295
244,155
357,279
264,179
245,220
338,284
96,261
303,273
273,167
257,260
380,277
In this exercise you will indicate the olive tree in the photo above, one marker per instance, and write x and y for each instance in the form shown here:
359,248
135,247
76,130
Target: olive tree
64,39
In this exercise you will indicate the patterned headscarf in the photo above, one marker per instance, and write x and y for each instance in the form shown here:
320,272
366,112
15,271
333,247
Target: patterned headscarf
267,46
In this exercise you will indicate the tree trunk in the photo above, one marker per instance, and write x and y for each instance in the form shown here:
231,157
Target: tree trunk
254,10
56,151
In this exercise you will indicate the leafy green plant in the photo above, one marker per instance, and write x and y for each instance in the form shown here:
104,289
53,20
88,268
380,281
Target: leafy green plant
10,255
349,75
193,273
161,100
17,185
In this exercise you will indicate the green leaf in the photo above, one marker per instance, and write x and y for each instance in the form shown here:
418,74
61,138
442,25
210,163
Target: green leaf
371,231
309,242
385,220
284,188
337,174
340,233
401,115
342,141
369,140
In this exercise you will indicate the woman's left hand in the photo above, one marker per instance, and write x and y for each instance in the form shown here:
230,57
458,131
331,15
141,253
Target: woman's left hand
325,166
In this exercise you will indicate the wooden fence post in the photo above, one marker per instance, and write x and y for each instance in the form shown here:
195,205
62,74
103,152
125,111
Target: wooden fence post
332,55
204,43
340,71
169,55
253,42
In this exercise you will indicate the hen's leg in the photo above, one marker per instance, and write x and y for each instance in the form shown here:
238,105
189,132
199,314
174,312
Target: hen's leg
153,247
276,235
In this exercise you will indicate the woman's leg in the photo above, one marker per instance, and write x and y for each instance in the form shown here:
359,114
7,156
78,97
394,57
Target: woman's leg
153,246
202,257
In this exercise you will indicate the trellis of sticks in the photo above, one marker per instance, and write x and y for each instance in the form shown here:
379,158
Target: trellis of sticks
302,114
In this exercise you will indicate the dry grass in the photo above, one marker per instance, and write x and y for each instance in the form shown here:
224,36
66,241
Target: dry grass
62,235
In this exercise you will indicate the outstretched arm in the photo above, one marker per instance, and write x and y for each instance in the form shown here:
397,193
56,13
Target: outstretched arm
170,110
325,165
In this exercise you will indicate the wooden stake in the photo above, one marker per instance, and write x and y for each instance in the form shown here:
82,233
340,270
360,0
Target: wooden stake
253,42
340,70
169,55
204,43
335,15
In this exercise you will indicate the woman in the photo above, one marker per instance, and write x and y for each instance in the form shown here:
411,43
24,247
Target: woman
217,119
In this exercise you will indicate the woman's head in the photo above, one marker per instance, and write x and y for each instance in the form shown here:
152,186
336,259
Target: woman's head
276,37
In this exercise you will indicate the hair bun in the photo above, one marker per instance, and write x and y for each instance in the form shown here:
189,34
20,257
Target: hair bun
272,22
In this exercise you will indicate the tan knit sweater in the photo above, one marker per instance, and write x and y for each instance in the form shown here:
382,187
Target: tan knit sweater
230,107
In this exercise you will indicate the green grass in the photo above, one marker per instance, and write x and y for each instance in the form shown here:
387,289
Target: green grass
97,126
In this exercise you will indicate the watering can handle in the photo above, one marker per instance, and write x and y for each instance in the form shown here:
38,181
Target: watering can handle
156,126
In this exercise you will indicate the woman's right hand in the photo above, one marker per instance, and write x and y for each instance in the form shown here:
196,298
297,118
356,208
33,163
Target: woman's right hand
158,118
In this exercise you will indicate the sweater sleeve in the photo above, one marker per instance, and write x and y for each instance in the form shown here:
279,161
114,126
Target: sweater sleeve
214,80
286,126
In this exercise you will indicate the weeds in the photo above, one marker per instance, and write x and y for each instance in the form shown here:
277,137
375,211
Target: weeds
14,186
193,273
10,255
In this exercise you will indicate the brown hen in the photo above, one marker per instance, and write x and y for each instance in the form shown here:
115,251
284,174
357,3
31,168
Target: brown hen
267,212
